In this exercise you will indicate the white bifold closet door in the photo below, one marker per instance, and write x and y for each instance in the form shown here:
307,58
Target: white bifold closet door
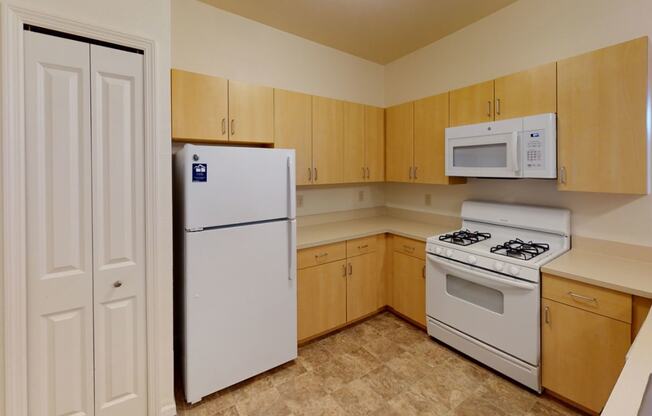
85,229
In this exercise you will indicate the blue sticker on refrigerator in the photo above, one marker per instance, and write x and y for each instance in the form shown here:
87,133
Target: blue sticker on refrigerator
199,172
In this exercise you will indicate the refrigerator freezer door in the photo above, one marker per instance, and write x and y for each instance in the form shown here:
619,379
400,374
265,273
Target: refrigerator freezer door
240,304
236,185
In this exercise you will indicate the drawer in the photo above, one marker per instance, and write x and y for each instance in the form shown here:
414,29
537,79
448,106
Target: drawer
321,254
605,302
410,247
361,246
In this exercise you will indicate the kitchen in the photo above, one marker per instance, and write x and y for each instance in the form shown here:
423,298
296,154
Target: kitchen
371,203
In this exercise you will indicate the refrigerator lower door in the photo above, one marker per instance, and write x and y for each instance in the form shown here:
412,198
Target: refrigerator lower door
240,312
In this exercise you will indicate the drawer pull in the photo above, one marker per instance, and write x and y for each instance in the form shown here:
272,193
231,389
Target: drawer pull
363,246
408,248
582,297
321,256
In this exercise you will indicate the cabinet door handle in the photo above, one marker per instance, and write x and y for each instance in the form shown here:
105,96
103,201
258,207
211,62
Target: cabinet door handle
315,174
410,172
546,315
489,108
368,173
350,269
562,175
309,174
232,127
498,106
364,173
582,297
344,270
415,172
223,126
423,272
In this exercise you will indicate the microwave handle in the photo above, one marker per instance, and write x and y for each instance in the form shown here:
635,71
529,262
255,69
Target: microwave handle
515,153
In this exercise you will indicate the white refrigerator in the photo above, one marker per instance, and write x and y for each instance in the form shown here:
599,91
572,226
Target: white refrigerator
235,210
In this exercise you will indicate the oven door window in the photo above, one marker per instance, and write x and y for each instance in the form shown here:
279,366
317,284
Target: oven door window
481,156
482,296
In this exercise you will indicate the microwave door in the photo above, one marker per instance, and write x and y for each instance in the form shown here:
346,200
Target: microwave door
489,156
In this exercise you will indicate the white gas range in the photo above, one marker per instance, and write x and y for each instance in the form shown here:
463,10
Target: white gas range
482,288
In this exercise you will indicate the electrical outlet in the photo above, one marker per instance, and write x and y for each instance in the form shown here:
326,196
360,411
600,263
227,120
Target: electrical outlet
299,201
428,200
360,196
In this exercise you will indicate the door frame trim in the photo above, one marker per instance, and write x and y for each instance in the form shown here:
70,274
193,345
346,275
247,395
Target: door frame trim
13,227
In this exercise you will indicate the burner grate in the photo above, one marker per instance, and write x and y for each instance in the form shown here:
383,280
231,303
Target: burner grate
464,237
519,249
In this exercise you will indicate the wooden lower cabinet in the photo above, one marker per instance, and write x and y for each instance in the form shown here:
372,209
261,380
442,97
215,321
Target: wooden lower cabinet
362,286
582,353
321,298
408,286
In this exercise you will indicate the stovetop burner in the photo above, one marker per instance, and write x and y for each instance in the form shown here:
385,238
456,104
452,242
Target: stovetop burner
464,237
519,249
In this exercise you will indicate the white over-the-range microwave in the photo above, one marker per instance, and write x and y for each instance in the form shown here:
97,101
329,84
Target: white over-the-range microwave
523,147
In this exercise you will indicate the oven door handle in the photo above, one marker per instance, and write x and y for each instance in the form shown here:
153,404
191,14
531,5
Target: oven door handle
479,276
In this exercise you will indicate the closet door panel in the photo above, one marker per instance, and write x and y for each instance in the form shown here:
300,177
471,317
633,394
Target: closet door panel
58,191
118,232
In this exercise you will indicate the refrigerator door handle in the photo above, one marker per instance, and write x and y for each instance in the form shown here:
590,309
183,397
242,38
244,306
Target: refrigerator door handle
292,189
293,250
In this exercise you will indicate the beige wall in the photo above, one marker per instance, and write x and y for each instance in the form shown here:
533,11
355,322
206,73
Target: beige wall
149,19
209,40
524,34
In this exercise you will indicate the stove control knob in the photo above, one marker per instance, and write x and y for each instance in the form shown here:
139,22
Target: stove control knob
449,253
514,270
438,250
472,260
498,266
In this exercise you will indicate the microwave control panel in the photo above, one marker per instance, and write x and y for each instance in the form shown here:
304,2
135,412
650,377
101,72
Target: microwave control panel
535,149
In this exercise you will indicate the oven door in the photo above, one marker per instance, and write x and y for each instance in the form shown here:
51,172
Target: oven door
495,309
488,155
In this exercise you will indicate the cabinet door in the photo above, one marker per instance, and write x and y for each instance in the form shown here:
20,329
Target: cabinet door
409,286
602,133
354,142
199,107
293,129
251,113
59,227
430,120
472,104
327,140
118,232
527,93
400,142
321,298
583,353
363,286
374,133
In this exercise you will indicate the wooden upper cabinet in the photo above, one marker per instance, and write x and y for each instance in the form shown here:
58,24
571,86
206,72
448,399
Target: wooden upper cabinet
293,130
251,113
430,122
199,107
400,142
602,105
526,93
472,104
327,140
374,120
354,142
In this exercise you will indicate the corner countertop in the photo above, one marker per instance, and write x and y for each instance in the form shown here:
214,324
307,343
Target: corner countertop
316,235
618,273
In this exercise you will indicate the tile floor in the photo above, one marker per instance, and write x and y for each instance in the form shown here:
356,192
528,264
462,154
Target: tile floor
382,367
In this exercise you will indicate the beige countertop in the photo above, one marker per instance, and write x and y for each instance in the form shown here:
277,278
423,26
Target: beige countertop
315,235
618,273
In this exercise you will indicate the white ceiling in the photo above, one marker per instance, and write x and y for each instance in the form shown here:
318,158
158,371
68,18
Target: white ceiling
376,30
